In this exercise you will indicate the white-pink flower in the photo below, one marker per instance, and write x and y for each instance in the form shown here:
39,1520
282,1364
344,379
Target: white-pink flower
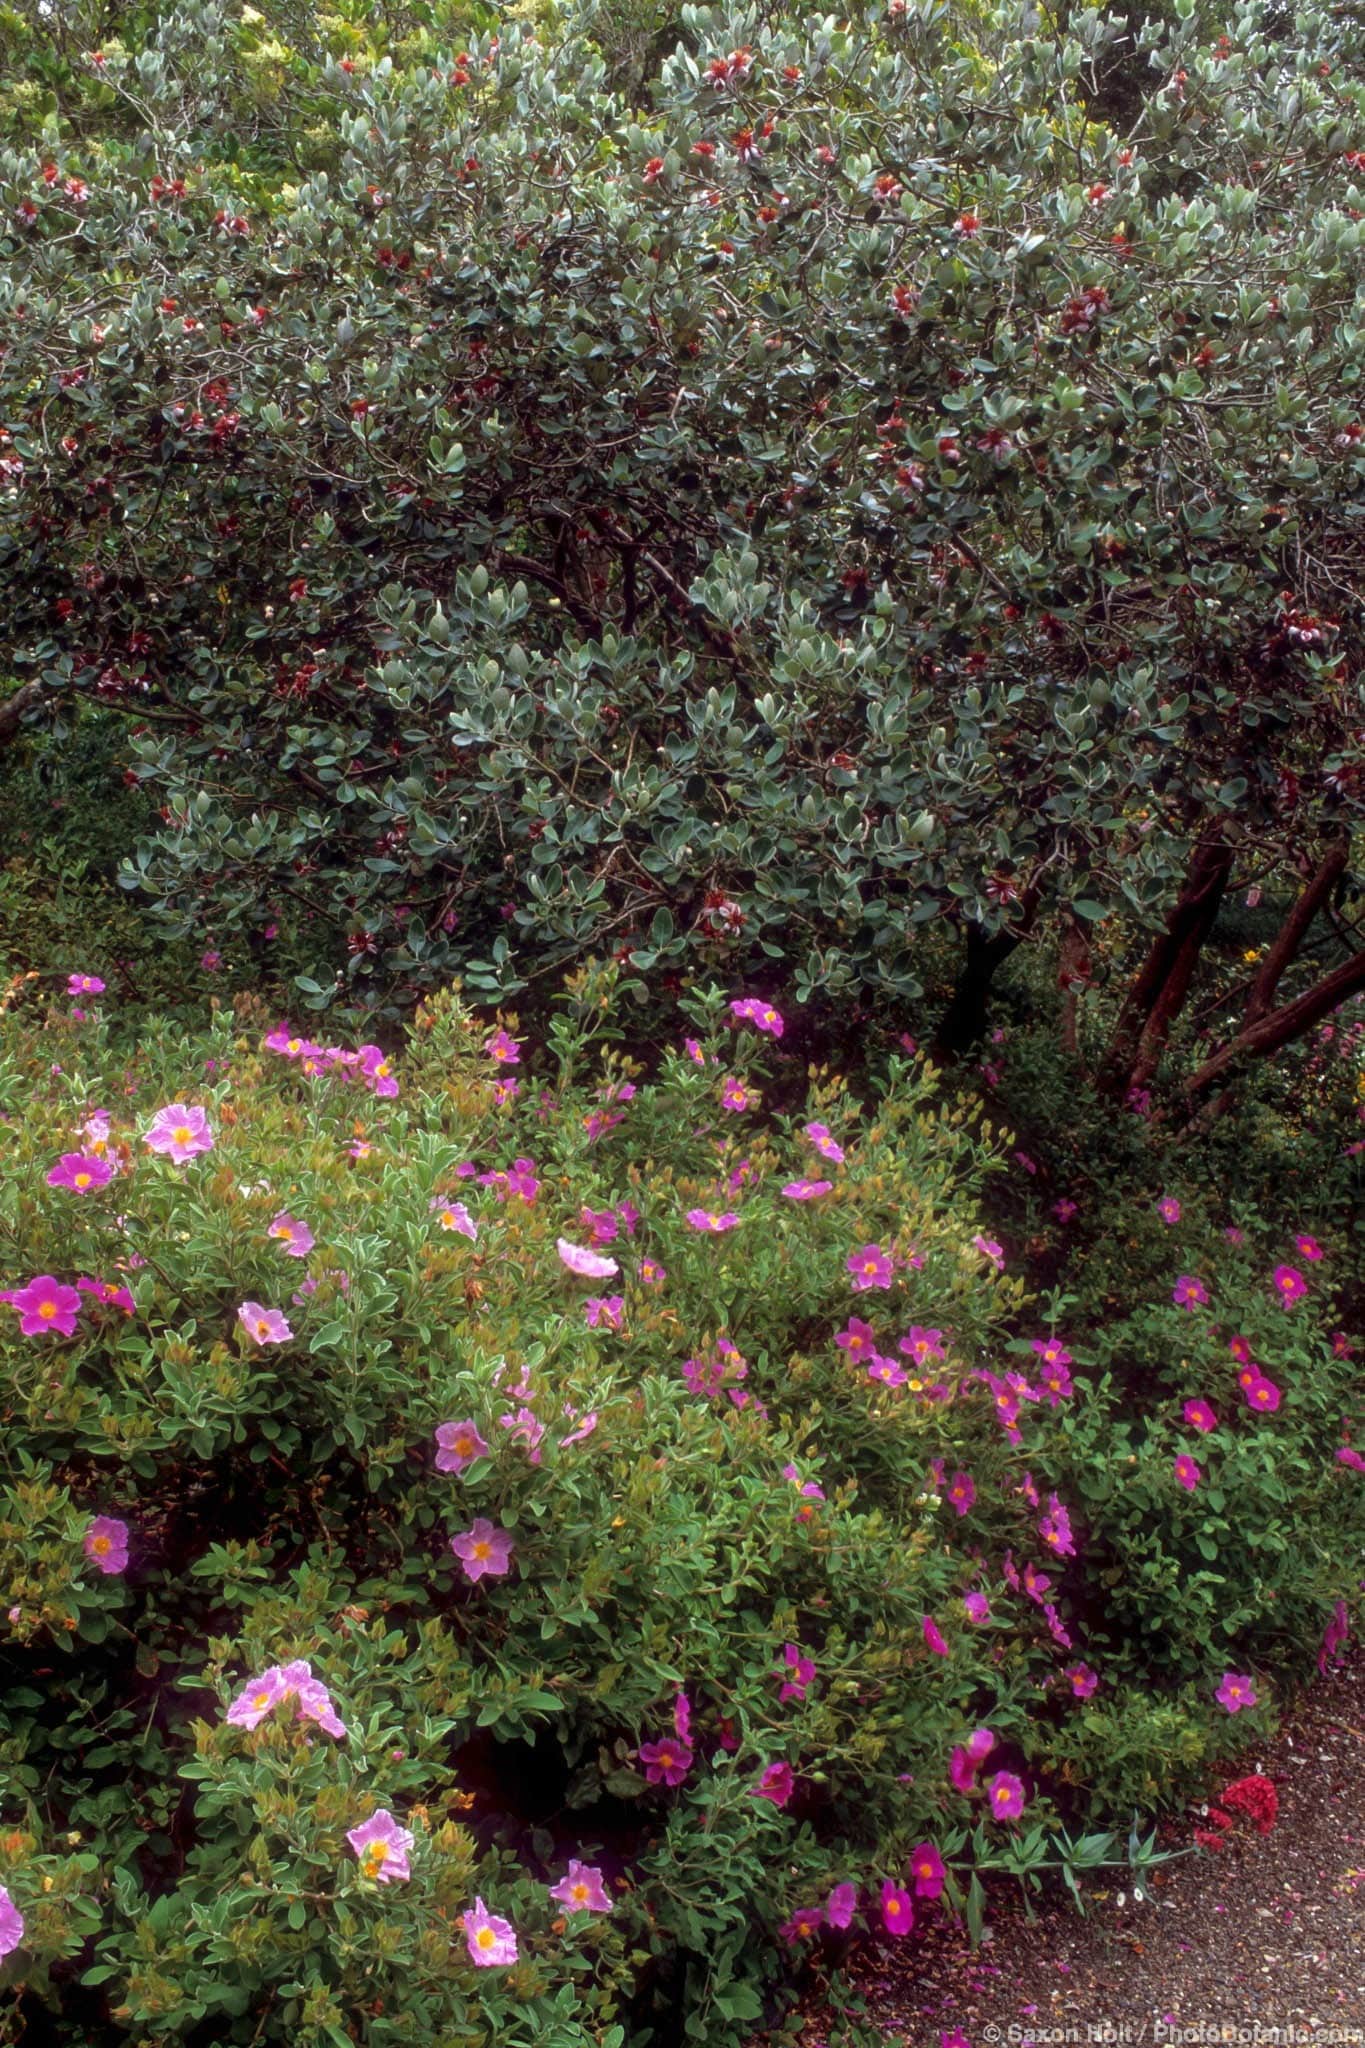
488,1939
264,1325
587,1264
179,1131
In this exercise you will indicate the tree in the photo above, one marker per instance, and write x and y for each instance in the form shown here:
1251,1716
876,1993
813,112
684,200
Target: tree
862,492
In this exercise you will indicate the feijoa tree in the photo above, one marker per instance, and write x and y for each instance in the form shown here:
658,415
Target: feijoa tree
861,491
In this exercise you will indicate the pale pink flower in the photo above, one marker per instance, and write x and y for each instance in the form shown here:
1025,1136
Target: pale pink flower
11,1924
106,1543
179,1131
296,1237
483,1551
488,1939
264,1325
589,1265
458,1444
257,1697
582,1889
382,1847
454,1216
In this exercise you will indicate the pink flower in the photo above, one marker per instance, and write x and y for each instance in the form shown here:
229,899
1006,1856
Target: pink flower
806,1190
584,1428
858,1340
841,1905
257,1697
1055,1528
962,1492
503,1049
1200,1416
376,1072
84,985
483,1551
650,1273
265,1325
455,1216
1065,1209
1288,1283
666,1762
81,1172
1083,1680
980,1743
953,2038
803,1925
922,1345
527,1428
1006,1795
1187,1472
978,1607
1308,1248
458,1444
1337,1631
933,1636
989,1249
1347,1456
45,1304
1262,1394
582,1890
870,1267
296,1237
796,1670
928,1871
1168,1209
763,1017
179,1131
108,1292
600,1224
315,1703
737,1095
777,1783
488,1939
826,1146
1189,1292
382,1847
711,1220
106,1543
604,1309
11,1924
1236,1692
587,1264
898,1910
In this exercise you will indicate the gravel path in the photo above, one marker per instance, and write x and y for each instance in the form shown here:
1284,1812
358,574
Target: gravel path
1267,1933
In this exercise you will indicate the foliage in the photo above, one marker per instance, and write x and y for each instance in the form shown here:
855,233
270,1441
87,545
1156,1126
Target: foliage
687,1519
860,489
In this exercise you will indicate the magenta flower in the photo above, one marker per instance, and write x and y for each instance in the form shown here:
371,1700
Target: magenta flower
382,1847
1055,1528
296,1237
928,1871
978,1607
458,1444
1065,1209
604,1309
712,1220
777,1783
1168,1209
898,1910
1082,1679
1006,1795
962,1492
503,1049
803,1925
962,1770
885,1370
682,1718
650,1273
584,1428
827,1147
1308,1248
106,1543
763,1017
1236,1692
806,1190
600,1224
84,985
953,2038
933,1636
81,1172
1262,1394
858,1340
587,1264
796,1670
257,1697
1288,1283
980,1743
264,1325
1187,1472
1337,1631
841,1905
1200,1416
376,1072
46,1304
1347,1456
179,1131
1189,1292
922,1345
488,1939
11,1924
989,1249
737,1095
666,1762
582,1890
870,1267
455,1216
484,1552
107,1291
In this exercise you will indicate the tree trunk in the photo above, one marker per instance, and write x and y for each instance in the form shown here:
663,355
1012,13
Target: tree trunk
1073,975
963,1023
1159,989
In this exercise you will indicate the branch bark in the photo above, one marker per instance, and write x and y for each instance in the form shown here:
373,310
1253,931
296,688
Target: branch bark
1159,989
1293,931
1279,1027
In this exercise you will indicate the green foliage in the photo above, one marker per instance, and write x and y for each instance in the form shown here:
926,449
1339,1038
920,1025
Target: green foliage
527,532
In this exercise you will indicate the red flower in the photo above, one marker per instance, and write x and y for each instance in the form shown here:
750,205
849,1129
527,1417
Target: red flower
1257,1798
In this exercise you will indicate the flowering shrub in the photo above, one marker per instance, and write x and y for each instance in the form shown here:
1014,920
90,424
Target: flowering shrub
455,1649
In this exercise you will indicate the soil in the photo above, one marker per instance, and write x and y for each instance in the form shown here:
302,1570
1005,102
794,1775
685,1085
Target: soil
1267,1933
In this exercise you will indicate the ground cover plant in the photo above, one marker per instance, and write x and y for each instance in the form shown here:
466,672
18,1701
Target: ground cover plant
532,1552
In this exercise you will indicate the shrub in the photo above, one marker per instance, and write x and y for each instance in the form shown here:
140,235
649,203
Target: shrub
323,1344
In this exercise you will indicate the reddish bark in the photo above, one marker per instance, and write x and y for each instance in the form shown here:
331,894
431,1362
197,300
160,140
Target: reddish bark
1160,987
1293,931
1258,1040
